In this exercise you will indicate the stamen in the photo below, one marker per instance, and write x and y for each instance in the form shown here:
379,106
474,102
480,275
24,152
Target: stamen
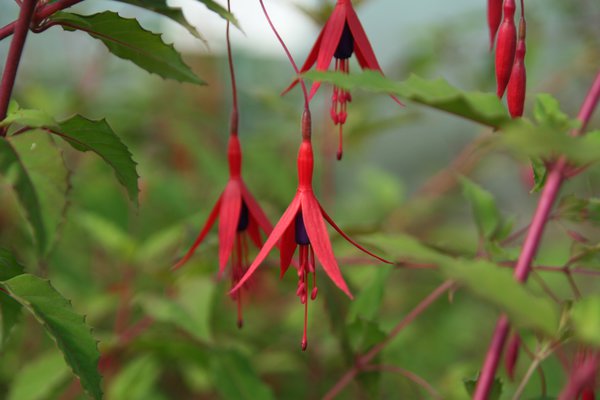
304,336
313,269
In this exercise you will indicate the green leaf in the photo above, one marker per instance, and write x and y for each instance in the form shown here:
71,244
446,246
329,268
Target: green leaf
41,378
97,136
52,180
161,7
126,39
540,172
65,327
484,207
235,379
547,112
585,315
399,248
190,311
484,108
495,391
364,334
15,172
9,308
137,381
31,118
222,12
107,234
367,302
497,286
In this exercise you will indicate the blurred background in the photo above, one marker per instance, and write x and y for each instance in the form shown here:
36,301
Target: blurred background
113,260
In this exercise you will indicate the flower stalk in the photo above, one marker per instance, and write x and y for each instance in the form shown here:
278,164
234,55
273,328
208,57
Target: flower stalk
549,194
14,56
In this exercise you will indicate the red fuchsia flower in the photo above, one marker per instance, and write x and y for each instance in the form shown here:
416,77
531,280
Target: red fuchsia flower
582,379
342,36
240,221
494,17
303,225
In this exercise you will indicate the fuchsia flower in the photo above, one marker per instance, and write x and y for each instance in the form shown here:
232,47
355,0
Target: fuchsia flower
302,225
341,36
582,380
240,218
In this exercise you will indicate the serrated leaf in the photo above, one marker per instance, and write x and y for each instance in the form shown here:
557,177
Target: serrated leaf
483,206
40,378
222,12
483,108
12,168
65,327
126,39
235,379
97,136
161,7
46,168
585,315
495,391
497,286
9,308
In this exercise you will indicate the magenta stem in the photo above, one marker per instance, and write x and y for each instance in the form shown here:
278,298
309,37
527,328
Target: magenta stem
289,55
532,243
14,57
40,14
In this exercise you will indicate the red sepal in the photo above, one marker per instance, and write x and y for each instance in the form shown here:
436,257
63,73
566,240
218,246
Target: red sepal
287,247
207,225
229,216
319,240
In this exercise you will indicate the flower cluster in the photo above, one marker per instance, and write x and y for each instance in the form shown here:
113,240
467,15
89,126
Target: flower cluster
302,225
510,53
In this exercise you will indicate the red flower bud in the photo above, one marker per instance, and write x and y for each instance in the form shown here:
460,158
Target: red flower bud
494,16
512,355
516,86
588,394
505,47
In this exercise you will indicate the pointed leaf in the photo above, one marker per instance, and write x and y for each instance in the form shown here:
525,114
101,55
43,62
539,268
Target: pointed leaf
126,39
161,7
483,206
97,136
361,41
484,108
52,180
31,118
64,326
221,11
235,379
585,315
41,378
9,308
137,380
256,212
12,168
319,240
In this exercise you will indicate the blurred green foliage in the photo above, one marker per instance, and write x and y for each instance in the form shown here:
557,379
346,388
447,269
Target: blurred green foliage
113,259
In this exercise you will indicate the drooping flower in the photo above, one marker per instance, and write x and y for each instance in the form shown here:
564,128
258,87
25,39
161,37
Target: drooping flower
582,379
303,225
342,36
241,220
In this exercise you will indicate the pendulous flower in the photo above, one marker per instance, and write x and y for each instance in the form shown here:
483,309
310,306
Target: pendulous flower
303,226
240,221
342,36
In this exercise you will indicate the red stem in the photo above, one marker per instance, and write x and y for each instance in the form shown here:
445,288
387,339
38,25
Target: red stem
532,243
14,57
289,55
234,112
362,361
40,14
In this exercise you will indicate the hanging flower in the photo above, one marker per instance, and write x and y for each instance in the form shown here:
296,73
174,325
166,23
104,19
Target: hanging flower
303,226
240,220
342,36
